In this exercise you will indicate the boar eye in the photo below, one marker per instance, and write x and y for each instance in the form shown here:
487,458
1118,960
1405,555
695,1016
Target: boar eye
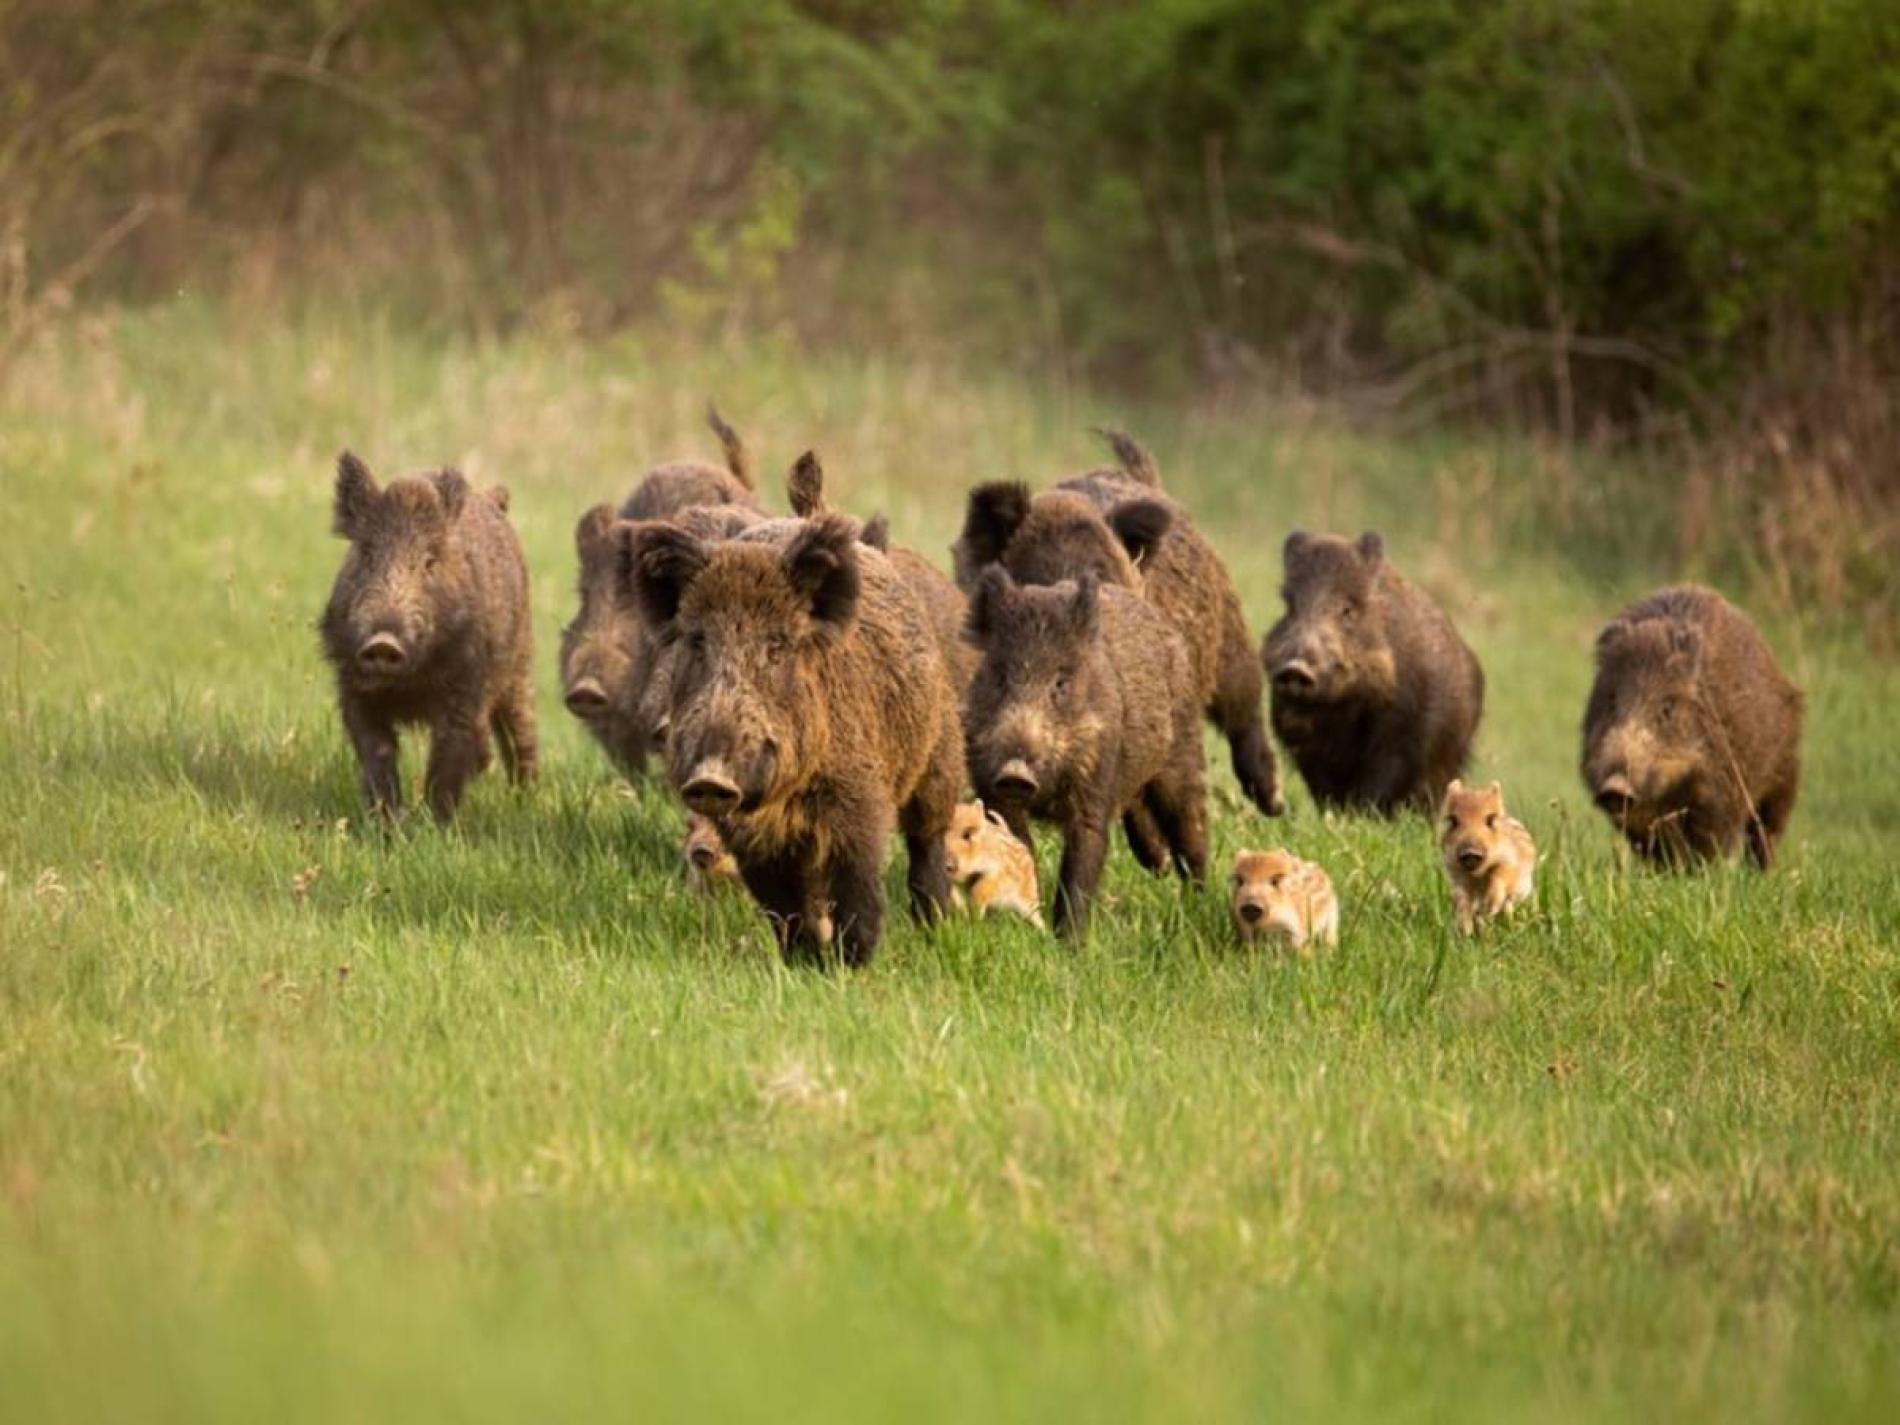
696,641
1061,685
1275,882
1491,821
429,561
1668,712
1348,612
1451,823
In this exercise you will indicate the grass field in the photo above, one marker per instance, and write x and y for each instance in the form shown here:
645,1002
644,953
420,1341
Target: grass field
300,1121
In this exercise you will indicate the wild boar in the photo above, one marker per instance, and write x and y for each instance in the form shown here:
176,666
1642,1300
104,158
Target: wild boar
989,864
1278,896
1082,707
1118,525
1692,734
1490,859
608,659
1375,695
428,624
810,715
605,658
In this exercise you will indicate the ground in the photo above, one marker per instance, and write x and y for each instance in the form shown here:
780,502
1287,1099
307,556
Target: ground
299,1120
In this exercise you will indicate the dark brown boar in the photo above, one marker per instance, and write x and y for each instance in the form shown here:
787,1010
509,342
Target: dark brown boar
1692,734
428,623
607,656
810,714
605,661
1118,525
1082,708
1375,695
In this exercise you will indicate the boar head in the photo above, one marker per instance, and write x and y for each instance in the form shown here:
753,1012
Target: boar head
1036,706
1330,645
405,589
747,627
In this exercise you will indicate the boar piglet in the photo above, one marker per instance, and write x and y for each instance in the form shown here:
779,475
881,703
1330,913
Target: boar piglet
1692,734
609,659
809,715
428,623
1375,695
1081,709
1116,524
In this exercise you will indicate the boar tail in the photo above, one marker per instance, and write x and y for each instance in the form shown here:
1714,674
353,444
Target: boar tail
1133,457
738,460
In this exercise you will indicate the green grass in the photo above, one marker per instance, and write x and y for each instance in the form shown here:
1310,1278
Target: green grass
501,1123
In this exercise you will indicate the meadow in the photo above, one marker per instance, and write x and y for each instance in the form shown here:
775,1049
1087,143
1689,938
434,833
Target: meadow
304,1120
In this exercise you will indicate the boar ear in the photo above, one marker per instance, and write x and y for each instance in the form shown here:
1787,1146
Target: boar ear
822,563
1086,608
805,486
1496,789
996,511
1452,788
1295,547
355,493
993,817
876,533
662,560
986,602
1372,548
453,490
593,530
1140,525
1611,634
497,495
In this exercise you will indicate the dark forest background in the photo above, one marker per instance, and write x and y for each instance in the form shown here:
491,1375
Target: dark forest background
1665,226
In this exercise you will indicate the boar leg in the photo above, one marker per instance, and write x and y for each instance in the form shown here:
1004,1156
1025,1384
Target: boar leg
458,749
1145,838
1255,766
1179,807
857,896
374,738
1084,849
514,728
781,886
1768,824
924,820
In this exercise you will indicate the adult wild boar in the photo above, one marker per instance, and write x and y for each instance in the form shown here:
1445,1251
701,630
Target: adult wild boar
1375,695
1692,734
1118,525
1082,708
811,714
604,656
608,656
428,623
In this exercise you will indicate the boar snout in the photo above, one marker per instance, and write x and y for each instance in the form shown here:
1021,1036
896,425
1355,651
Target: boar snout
702,856
382,653
1252,912
711,789
1295,675
1615,795
1016,780
1470,856
587,699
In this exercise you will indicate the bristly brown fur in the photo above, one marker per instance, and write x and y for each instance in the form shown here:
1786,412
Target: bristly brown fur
1375,695
1692,732
1084,690
811,715
1118,525
428,623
